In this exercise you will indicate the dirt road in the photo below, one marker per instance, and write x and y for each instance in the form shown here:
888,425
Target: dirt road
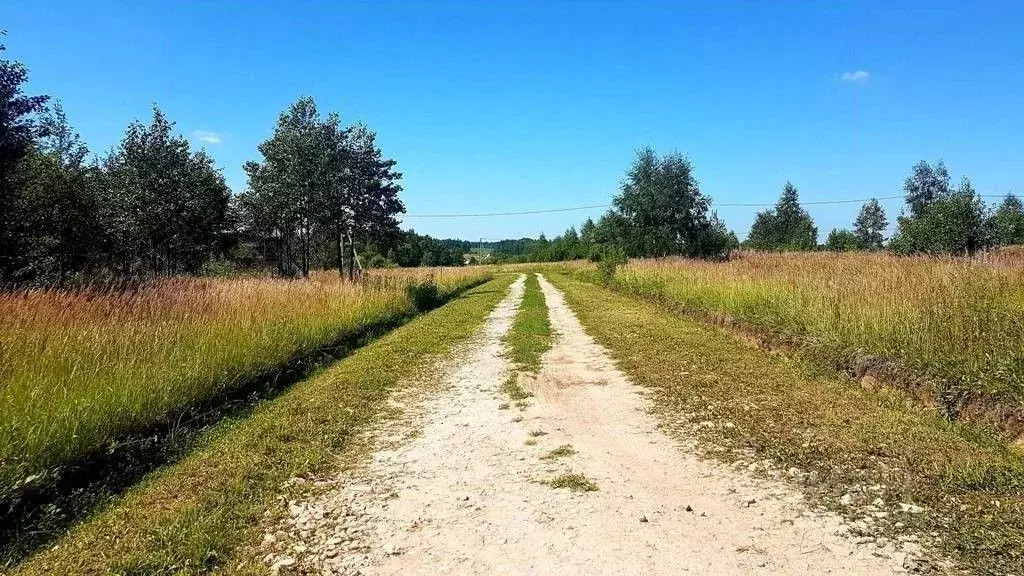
460,485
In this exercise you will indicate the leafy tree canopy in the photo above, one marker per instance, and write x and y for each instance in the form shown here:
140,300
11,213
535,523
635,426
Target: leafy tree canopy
869,227
786,227
1008,221
925,185
661,210
952,223
842,240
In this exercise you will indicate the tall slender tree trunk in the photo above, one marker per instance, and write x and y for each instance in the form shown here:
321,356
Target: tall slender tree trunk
283,256
341,252
305,252
289,262
279,252
351,258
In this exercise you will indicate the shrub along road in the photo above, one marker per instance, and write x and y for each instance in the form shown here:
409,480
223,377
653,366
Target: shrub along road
577,478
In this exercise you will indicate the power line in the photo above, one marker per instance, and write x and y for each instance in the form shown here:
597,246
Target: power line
523,213
815,203
716,205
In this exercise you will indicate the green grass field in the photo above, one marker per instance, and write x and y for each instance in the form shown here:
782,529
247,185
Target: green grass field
959,322
797,416
83,371
192,516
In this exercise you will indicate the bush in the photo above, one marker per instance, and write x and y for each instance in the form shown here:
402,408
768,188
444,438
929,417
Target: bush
424,295
953,224
611,259
218,267
787,227
379,261
842,240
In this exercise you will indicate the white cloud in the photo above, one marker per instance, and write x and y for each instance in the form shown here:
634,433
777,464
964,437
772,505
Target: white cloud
858,76
206,136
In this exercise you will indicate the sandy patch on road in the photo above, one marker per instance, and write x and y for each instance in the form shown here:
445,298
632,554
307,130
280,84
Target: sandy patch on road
460,491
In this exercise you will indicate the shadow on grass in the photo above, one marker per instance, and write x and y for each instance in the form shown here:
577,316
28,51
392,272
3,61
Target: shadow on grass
30,520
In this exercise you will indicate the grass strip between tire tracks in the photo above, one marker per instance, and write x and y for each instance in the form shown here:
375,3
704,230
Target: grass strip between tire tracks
528,339
530,336
196,515
745,404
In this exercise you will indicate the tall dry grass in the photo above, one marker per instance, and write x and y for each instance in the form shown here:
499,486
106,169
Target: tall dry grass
79,370
960,320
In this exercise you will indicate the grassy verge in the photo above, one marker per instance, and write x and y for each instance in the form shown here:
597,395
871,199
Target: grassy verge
530,336
845,444
37,517
194,516
957,321
81,371
94,399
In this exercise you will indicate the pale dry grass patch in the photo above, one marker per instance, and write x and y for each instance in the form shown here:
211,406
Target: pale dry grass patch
575,482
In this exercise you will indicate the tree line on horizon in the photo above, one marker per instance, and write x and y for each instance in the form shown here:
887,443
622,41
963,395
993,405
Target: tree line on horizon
323,195
660,211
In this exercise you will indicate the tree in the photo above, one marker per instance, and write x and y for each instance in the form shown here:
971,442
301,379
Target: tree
374,196
413,249
165,204
588,232
18,132
1008,221
715,241
298,183
154,206
321,184
786,227
612,229
941,220
842,240
64,234
925,185
869,227
762,234
336,206
955,223
663,209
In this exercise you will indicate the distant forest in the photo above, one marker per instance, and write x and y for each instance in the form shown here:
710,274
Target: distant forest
660,211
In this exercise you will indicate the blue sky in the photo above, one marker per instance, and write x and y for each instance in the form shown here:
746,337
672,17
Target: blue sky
508,106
